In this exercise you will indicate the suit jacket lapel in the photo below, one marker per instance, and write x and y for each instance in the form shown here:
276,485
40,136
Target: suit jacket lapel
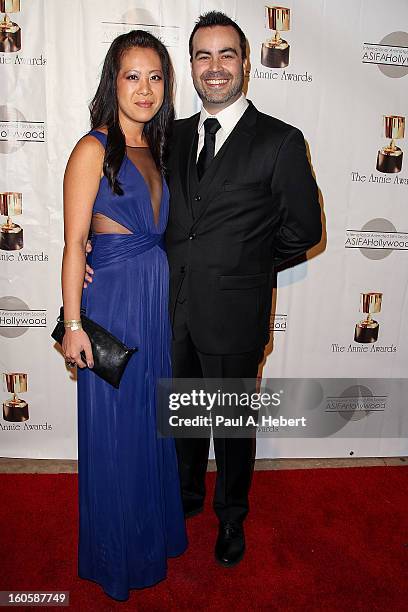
218,170
188,149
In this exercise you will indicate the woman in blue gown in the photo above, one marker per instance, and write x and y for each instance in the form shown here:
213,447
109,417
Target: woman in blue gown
130,511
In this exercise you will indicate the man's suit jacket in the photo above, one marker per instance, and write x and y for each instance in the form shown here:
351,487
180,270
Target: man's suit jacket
255,207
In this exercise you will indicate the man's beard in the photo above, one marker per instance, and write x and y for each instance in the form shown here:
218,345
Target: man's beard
214,97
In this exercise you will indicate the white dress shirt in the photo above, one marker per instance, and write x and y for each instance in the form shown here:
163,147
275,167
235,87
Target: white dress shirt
228,119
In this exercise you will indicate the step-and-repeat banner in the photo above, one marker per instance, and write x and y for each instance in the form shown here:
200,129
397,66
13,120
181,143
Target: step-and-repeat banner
338,70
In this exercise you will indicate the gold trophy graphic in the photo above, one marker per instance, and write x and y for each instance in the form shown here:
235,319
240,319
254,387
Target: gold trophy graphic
11,234
389,158
15,409
367,330
10,32
275,52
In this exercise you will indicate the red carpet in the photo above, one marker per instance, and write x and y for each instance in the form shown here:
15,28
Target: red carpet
317,540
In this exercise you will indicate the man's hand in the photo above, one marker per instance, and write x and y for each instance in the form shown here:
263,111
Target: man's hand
88,269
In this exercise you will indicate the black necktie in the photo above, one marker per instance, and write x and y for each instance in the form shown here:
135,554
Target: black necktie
211,127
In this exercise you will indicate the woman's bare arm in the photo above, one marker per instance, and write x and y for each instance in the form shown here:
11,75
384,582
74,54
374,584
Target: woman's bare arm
81,183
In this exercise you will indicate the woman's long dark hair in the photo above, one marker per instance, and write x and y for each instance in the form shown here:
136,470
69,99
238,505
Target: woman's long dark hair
104,106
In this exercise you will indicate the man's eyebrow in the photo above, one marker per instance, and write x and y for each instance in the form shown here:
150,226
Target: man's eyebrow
228,50
202,51
206,52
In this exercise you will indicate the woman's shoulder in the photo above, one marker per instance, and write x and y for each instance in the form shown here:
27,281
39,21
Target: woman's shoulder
92,143
89,151
97,135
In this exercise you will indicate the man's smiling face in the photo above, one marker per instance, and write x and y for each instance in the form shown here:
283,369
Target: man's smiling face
217,67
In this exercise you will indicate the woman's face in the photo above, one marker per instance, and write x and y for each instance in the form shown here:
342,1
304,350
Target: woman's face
140,86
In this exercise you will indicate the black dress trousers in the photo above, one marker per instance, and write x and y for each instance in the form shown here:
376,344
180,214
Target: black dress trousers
234,456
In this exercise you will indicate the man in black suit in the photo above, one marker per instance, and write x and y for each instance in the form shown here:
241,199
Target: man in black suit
243,200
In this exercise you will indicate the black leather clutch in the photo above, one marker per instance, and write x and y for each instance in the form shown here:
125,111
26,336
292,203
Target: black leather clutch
110,355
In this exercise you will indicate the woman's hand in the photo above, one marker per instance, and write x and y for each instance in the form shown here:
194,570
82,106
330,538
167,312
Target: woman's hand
73,343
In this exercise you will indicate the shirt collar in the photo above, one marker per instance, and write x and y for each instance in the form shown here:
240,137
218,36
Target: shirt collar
228,117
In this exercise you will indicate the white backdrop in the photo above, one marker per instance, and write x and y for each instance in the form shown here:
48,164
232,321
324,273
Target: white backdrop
331,89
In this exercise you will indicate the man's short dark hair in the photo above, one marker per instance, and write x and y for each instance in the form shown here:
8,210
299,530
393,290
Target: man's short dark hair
216,18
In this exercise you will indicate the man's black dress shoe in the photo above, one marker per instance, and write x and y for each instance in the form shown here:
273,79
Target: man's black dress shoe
230,546
191,508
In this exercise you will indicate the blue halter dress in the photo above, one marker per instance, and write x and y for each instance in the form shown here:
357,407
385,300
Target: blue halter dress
130,510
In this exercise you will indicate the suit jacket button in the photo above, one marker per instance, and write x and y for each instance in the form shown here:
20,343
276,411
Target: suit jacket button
197,198
182,269
192,236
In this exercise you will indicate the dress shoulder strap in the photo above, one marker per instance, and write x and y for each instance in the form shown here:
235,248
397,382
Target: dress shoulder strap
99,136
